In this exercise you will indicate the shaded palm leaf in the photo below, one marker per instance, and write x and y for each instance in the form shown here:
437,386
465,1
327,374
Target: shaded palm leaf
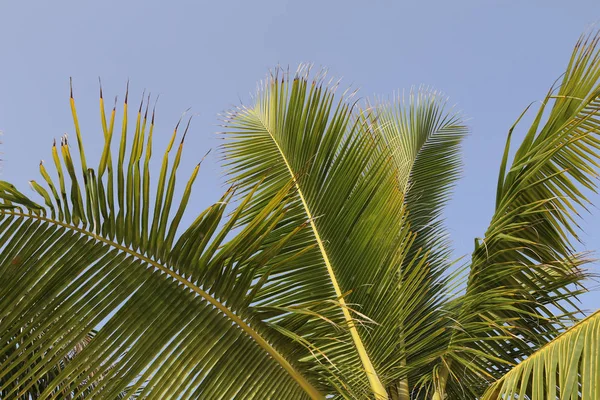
42,382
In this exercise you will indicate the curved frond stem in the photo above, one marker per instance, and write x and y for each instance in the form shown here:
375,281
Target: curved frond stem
378,388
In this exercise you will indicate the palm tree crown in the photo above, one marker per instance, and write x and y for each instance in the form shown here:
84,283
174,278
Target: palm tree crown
325,271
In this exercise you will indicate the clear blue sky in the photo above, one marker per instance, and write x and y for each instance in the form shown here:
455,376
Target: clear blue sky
491,57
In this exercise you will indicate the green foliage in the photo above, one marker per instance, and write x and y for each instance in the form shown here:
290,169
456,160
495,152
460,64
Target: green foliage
166,306
347,188
566,368
323,272
524,274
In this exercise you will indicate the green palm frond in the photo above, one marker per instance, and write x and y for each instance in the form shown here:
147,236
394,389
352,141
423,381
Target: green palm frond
348,188
42,382
566,368
524,274
424,139
172,311
323,272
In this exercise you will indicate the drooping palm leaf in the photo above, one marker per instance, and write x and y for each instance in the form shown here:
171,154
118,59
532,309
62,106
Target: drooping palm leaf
172,310
524,273
566,368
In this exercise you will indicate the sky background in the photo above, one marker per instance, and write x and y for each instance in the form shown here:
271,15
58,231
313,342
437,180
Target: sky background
492,58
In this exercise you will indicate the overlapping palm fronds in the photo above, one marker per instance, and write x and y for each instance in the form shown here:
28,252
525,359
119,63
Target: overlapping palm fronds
566,368
171,309
423,136
347,182
329,277
525,275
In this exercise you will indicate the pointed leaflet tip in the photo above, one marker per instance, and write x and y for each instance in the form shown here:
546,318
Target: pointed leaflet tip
181,118
127,91
100,83
115,106
186,129
230,192
147,106
71,85
154,108
207,153
170,145
142,101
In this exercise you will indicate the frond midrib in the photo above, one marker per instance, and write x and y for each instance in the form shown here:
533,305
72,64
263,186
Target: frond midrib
376,385
257,337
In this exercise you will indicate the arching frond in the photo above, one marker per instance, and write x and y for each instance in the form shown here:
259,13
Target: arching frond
347,186
171,310
566,368
524,274
424,139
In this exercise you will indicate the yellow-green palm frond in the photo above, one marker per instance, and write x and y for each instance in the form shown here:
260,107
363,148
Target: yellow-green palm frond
525,275
346,185
567,368
172,310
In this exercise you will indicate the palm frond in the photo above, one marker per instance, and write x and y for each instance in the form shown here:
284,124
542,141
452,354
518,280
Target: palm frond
346,185
172,311
424,139
525,274
42,382
566,368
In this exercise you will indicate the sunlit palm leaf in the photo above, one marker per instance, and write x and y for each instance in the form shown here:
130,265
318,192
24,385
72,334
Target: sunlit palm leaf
172,310
566,368
524,273
330,277
347,186
424,138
